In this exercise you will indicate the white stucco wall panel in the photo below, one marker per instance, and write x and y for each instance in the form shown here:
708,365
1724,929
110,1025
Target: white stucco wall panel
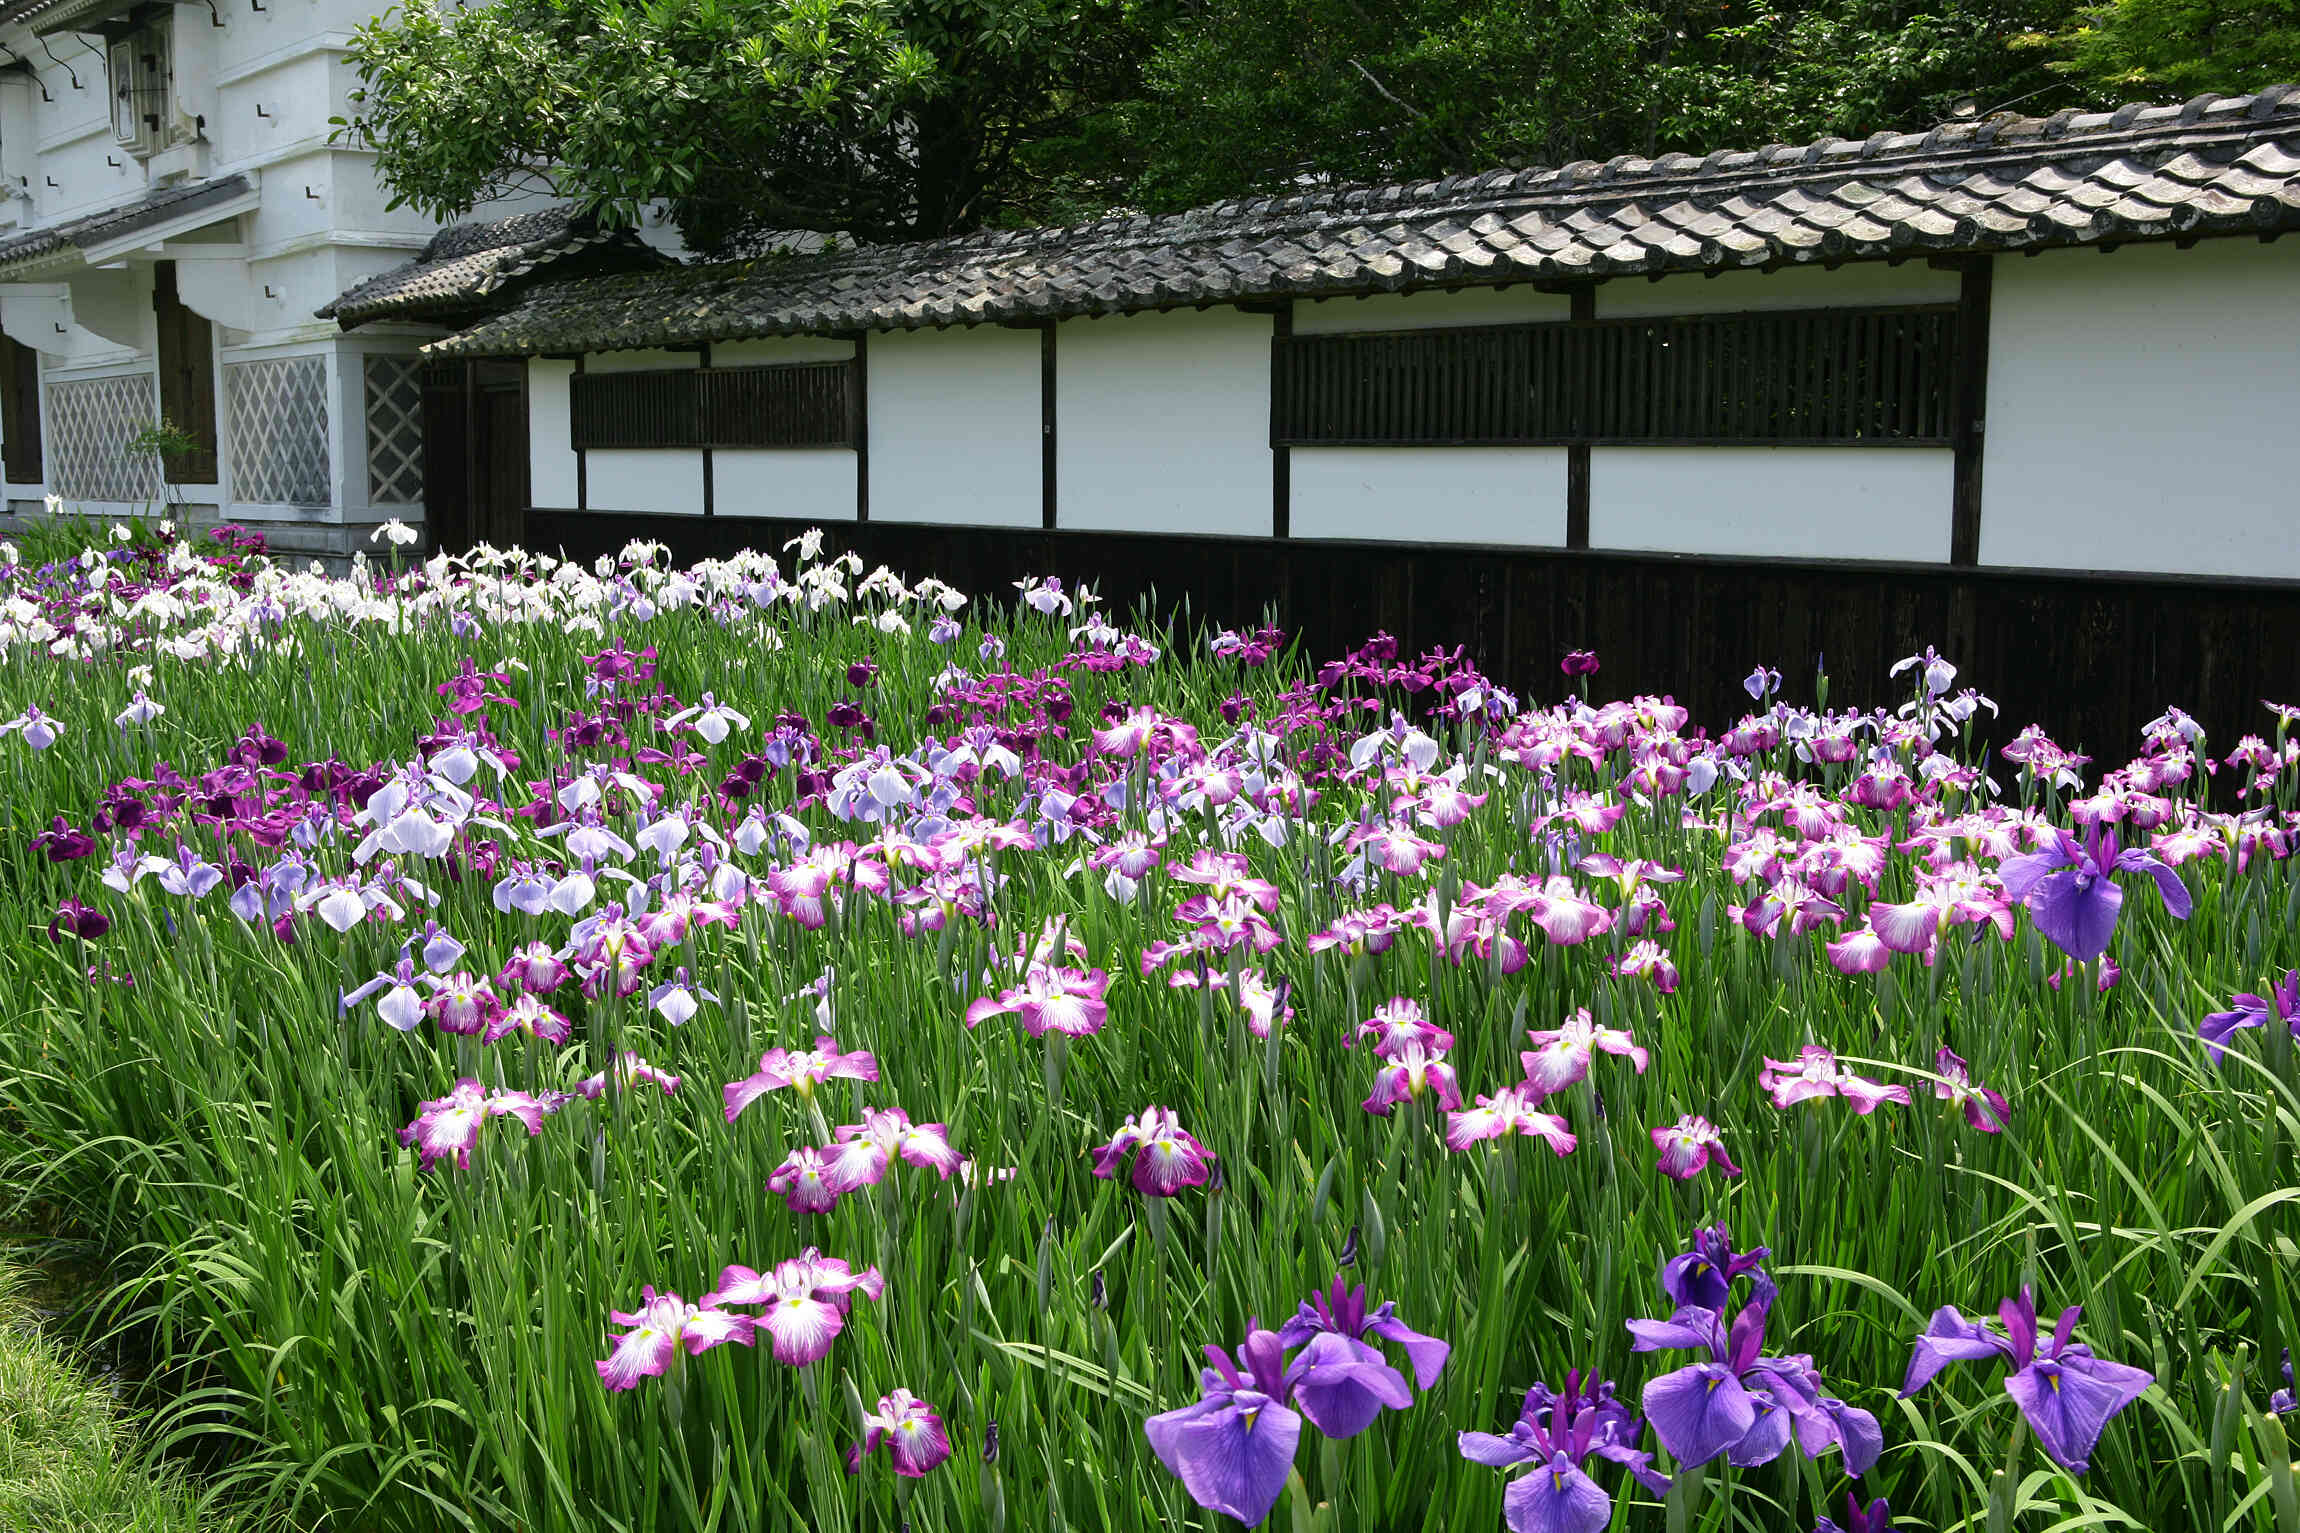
662,480
1429,311
1780,502
2140,410
1163,423
550,460
1505,495
815,483
955,427
1860,284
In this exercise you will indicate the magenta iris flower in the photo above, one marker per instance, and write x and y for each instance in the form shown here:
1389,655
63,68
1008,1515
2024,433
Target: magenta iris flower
910,1431
530,1016
1815,1074
1741,1403
805,1301
1341,1402
1560,1056
1558,1432
2068,1395
1689,1146
2071,893
803,1182
630,1071
665,1323
802,1070
2282,1004
1409,1072
450,1125
1050,1000
864,1150
1984,1109
1512,1110
1162,1155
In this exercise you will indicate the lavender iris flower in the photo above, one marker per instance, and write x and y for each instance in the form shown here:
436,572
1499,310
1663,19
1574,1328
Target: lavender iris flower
1559,1433
1343,1403
2068,1395
1741,1403
2071,895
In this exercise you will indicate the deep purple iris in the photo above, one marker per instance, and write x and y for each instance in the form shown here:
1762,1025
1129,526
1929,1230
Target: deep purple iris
2067,1394
1558,1433
2248,1010
1876,1517
2072,896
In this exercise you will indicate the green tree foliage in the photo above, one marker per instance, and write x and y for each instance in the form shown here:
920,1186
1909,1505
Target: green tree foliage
1251,93
895,119
883,119
2144,48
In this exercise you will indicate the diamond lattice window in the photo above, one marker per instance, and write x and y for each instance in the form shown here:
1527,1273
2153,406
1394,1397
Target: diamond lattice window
90,425
394,431
279,431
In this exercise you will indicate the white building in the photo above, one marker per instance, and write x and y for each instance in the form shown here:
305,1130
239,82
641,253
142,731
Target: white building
2022,386
174,214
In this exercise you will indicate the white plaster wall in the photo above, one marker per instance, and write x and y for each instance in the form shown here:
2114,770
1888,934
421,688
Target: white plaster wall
1859,284
1519,305
2141,410
955,427
817,483
1163,423
550,458
1510,495
1783,502
660,480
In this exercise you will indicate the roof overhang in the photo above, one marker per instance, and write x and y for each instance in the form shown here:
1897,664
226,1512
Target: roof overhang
147,240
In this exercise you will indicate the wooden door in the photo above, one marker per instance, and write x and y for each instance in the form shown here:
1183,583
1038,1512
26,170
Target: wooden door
187,378
502,464
20,412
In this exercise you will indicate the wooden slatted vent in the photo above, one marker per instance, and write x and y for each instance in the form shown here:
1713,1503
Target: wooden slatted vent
804,405
1820,377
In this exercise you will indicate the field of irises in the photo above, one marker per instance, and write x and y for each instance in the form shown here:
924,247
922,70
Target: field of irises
771,1046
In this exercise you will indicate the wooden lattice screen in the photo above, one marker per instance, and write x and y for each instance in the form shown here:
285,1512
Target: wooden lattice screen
803,405
1850,377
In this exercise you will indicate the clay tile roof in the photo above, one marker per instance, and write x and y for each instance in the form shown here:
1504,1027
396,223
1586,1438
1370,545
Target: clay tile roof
39,247
465,264
2216,165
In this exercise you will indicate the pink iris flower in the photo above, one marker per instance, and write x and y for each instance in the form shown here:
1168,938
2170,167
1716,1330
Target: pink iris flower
802,1070
805,1301
1398,1022
534,968
630,1071
1984,1109
1512,1110
665,1322
530,1016
1265,1004
1691,1145
1648,960
1164,1157
1409,1073
1560,1056
461,1003
802,1181
865,1150
910,1431
1058,1000
1815,1074
450,1125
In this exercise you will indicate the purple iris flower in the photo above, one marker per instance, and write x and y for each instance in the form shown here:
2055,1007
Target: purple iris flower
1704,1275
1233,1449
2071,895
1559,1433
1345,1404
2282,1402
1876,1517
73,919
2249,1010
1741,1403
60,842
2067,1394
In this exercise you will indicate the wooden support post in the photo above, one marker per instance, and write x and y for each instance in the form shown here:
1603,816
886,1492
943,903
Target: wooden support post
1970,422
1281,456
1584,311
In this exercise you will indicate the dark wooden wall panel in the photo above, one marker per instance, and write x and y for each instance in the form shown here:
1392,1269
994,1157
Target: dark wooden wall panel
2092,658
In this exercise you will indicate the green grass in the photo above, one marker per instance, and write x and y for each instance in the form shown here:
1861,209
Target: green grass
410,1352
71,1459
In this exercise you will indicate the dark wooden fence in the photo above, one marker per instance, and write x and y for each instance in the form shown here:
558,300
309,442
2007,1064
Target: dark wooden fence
2091,657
